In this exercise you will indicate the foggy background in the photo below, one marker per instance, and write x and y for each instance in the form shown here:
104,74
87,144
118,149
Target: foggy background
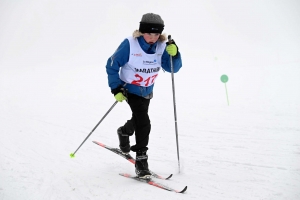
229,32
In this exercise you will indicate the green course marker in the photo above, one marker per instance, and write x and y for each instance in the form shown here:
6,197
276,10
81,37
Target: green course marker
224,79
72,155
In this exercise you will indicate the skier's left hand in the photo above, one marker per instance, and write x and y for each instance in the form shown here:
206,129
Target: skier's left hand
172,48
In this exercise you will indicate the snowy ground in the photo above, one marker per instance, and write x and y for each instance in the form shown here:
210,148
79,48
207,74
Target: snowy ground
51,98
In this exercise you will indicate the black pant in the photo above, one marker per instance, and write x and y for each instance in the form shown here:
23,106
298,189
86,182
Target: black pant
139,122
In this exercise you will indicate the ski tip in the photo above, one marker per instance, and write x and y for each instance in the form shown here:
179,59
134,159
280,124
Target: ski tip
169,176
184,189
161,177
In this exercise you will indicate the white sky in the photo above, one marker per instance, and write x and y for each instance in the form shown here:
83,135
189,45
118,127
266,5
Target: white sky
233,32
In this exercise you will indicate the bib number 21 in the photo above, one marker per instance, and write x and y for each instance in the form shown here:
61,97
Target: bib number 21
140,80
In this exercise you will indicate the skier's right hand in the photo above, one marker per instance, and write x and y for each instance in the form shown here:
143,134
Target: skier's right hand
120,97
119,93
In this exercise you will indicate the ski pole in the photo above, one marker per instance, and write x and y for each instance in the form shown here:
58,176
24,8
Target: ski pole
72,155
174,104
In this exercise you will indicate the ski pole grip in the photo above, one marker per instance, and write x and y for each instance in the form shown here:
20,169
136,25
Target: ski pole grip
170,39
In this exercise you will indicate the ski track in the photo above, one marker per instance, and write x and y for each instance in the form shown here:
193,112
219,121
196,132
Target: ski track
226,160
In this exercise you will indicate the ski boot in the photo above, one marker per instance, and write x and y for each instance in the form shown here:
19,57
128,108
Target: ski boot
141,165
124,141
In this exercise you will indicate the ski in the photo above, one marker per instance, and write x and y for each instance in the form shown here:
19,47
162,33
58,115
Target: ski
151,182
130,159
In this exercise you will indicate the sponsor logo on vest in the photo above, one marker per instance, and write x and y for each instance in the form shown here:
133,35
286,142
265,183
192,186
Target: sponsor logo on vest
148,70
137,54
149,62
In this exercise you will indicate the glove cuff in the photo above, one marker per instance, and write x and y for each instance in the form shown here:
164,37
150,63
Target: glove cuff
117,90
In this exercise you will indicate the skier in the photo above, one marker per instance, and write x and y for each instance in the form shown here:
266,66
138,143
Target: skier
132,71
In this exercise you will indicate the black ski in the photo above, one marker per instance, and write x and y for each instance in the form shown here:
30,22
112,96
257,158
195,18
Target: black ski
152,182
130,159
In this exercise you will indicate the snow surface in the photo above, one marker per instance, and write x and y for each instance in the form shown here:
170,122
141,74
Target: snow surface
53,91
